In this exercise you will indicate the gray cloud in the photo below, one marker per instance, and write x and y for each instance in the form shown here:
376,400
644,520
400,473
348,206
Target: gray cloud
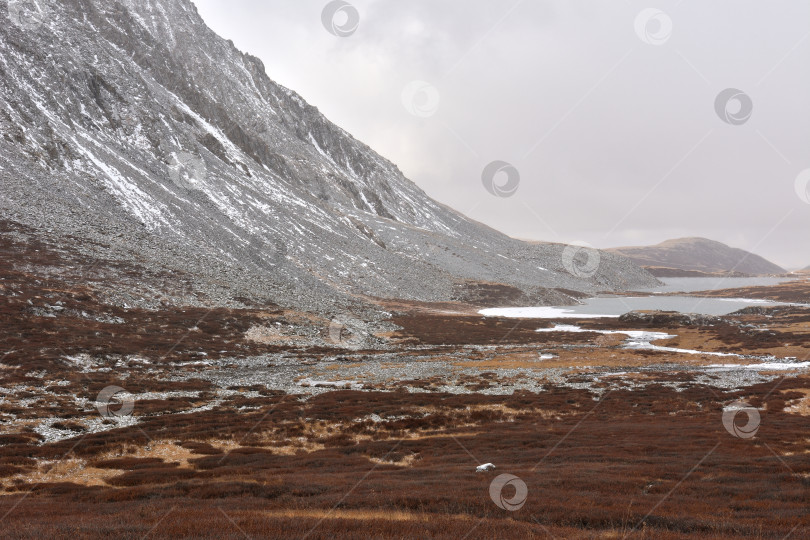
617,141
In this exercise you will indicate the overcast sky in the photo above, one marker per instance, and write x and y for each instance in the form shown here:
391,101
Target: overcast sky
607,111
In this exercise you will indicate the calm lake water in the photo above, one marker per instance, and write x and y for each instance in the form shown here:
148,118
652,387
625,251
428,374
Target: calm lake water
690,284
613,306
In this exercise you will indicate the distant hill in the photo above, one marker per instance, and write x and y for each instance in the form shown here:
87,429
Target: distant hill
696,257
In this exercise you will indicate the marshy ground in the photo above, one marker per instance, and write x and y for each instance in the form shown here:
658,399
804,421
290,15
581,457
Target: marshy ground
248,423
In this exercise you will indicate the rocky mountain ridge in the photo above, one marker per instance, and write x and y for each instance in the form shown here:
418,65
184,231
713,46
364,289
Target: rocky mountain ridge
133,132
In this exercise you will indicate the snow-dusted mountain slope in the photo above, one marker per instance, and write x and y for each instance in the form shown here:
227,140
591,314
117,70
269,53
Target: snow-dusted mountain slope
129,126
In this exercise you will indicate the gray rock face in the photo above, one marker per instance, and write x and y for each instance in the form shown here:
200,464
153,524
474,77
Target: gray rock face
129,127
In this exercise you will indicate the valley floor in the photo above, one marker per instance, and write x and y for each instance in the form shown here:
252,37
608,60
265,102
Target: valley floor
263,423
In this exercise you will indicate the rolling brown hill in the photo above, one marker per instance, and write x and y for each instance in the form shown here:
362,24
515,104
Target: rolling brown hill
697,256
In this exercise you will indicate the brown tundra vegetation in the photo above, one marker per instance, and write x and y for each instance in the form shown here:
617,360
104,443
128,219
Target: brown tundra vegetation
609,442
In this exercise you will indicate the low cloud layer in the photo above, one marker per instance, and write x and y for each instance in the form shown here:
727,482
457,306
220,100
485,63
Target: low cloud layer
609,112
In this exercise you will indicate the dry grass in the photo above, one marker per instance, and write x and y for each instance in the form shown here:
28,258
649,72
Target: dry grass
269,335
592,471
75,471
364,515
391,464
801,405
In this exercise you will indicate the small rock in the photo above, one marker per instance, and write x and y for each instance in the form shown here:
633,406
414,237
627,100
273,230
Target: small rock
485,467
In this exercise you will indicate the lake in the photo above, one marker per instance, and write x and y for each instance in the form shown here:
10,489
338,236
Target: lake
691,284
613,306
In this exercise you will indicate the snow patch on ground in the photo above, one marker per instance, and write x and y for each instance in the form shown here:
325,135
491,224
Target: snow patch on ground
636,339
764,366
641,335
540,312
642,340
